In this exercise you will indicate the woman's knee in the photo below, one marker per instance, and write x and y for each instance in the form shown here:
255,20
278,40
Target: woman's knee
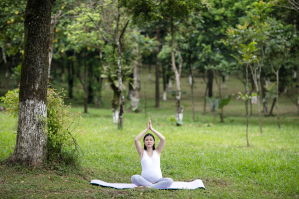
135,178
169,181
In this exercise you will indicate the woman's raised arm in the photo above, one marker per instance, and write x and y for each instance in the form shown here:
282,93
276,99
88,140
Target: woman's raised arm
138,138
160,136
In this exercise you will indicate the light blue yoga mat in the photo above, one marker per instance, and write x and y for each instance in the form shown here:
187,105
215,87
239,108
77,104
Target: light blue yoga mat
196,184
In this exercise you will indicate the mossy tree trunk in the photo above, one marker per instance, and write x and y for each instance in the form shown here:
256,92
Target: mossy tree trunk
31,135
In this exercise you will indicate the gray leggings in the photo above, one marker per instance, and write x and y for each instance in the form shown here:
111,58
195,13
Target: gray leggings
162,183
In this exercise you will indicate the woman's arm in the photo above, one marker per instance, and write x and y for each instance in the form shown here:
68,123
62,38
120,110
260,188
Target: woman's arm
160,136
138,138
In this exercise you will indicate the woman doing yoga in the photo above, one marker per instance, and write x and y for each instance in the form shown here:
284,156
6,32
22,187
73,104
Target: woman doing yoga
151,175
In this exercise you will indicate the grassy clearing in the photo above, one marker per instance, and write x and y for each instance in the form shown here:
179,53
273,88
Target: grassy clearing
217,154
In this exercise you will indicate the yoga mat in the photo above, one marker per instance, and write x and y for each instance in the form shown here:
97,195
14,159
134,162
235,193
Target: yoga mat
196,184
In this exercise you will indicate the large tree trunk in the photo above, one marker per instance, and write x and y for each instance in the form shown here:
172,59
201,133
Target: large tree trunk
157,73
31,135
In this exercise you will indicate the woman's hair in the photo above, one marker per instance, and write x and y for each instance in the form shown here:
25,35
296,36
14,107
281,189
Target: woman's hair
144,139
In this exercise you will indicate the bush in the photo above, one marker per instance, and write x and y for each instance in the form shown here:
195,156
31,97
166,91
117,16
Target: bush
62,147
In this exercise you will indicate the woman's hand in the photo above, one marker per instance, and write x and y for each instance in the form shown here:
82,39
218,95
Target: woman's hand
150,124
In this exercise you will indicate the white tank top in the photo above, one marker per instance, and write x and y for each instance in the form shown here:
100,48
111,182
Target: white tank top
151,167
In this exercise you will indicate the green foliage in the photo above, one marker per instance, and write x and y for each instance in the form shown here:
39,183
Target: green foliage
224,101
61,145
246,96
271,91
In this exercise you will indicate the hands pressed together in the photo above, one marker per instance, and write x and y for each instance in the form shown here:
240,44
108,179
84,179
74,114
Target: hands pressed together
149,124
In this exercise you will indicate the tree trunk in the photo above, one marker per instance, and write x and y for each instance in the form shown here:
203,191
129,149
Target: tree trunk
136,92
205,101
90,98
210,83
277,77
179,109
83,82
272,107
220,97
32,134
131,89
191,85
164,98
265,105
71,78
246,106
157,73
256,81
122,98
223,81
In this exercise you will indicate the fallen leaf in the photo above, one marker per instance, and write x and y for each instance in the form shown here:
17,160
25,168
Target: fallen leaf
22,181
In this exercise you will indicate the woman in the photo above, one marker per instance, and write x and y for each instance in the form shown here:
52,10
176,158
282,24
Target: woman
151,175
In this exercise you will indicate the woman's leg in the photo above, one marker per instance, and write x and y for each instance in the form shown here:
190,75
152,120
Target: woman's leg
162,183
140,181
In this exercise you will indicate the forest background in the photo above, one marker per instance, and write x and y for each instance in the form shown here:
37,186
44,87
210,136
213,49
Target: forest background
191,64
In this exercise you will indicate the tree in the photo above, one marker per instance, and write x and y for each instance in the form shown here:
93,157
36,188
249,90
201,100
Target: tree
174,10
32,136
278,51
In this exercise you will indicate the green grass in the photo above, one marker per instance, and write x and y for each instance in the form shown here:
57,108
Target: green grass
217,154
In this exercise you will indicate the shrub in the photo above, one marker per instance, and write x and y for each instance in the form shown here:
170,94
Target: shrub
62,147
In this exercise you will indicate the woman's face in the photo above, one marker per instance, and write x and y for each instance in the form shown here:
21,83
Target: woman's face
149,141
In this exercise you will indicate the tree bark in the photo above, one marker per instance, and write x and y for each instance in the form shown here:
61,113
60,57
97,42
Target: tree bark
191,85
220,97
157,105
256,81
122,98
83,82
71,78
164,98
272,107
179,109
265,105
210,83
277,77
136,92
31,135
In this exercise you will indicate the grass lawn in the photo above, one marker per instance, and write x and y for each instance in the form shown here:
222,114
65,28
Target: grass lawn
217,154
